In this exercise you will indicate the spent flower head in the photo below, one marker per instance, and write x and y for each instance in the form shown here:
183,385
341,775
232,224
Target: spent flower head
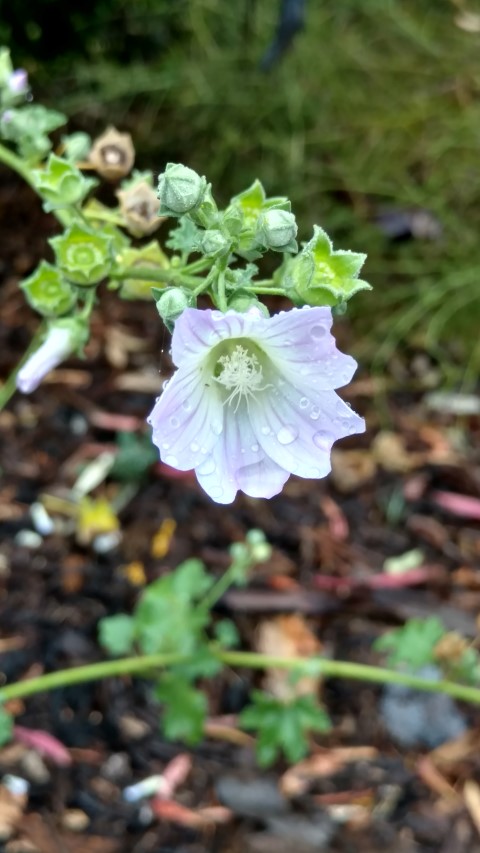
253,400
113,154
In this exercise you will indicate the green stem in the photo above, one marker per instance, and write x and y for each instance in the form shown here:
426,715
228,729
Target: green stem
153,274
7,390
221,292
17,164
145,663
272,291
21,168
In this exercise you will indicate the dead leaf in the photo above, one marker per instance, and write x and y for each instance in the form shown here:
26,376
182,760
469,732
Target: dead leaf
352,469
389,451
287,637
471,795
12,807
323,763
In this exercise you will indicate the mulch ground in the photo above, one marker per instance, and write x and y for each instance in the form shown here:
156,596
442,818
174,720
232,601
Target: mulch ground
330,539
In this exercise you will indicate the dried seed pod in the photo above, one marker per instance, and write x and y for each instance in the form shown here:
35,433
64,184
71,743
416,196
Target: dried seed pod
139,206
112,154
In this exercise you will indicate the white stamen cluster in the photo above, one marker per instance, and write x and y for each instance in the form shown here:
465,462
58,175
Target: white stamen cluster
241,374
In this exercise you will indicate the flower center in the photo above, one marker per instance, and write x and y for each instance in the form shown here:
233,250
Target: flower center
240,373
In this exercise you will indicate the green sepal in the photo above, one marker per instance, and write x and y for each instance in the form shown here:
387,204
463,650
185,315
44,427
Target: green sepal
61,183
48,292
243,301
76,146
83,255
321,276
149,255
251,203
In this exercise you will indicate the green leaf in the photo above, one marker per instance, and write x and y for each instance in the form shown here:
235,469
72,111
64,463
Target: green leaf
116,633
283,727
28,127
6,726
166,617
184,711
413,644
185,238
226,633
136,454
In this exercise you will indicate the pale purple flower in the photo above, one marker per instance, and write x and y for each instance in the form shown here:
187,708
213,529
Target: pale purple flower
56,347
18,81
253,400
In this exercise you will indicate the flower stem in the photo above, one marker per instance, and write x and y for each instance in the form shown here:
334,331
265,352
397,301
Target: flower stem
17,164
329,668
153,274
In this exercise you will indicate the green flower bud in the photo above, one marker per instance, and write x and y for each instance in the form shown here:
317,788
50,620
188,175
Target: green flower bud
213,243
48,292
243,301
84,256
277,229
180,190
171,303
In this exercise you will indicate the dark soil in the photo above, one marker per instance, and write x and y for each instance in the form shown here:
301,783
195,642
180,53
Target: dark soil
330,539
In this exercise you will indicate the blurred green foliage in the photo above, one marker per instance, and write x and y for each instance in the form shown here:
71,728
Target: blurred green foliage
375,108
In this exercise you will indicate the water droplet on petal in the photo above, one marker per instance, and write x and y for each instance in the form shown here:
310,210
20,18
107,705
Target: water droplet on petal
187,406
194,447
265,430
304,402
287,434
174,422
318,332
171,460
216,427
255,448
315,413
165,445
315,472
323,440
165,384
207,467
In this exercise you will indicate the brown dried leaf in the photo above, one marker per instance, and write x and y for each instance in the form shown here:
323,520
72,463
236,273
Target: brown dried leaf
12,807
352,469
287,637
323,763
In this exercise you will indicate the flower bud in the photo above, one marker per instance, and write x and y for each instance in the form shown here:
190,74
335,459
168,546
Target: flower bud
180,190
63,337
139,206
214,243
112,154
172,303
277,229
245,302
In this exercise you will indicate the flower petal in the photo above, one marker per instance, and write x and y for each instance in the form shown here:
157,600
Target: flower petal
196,332
301,346
297,431
187,419
237,462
